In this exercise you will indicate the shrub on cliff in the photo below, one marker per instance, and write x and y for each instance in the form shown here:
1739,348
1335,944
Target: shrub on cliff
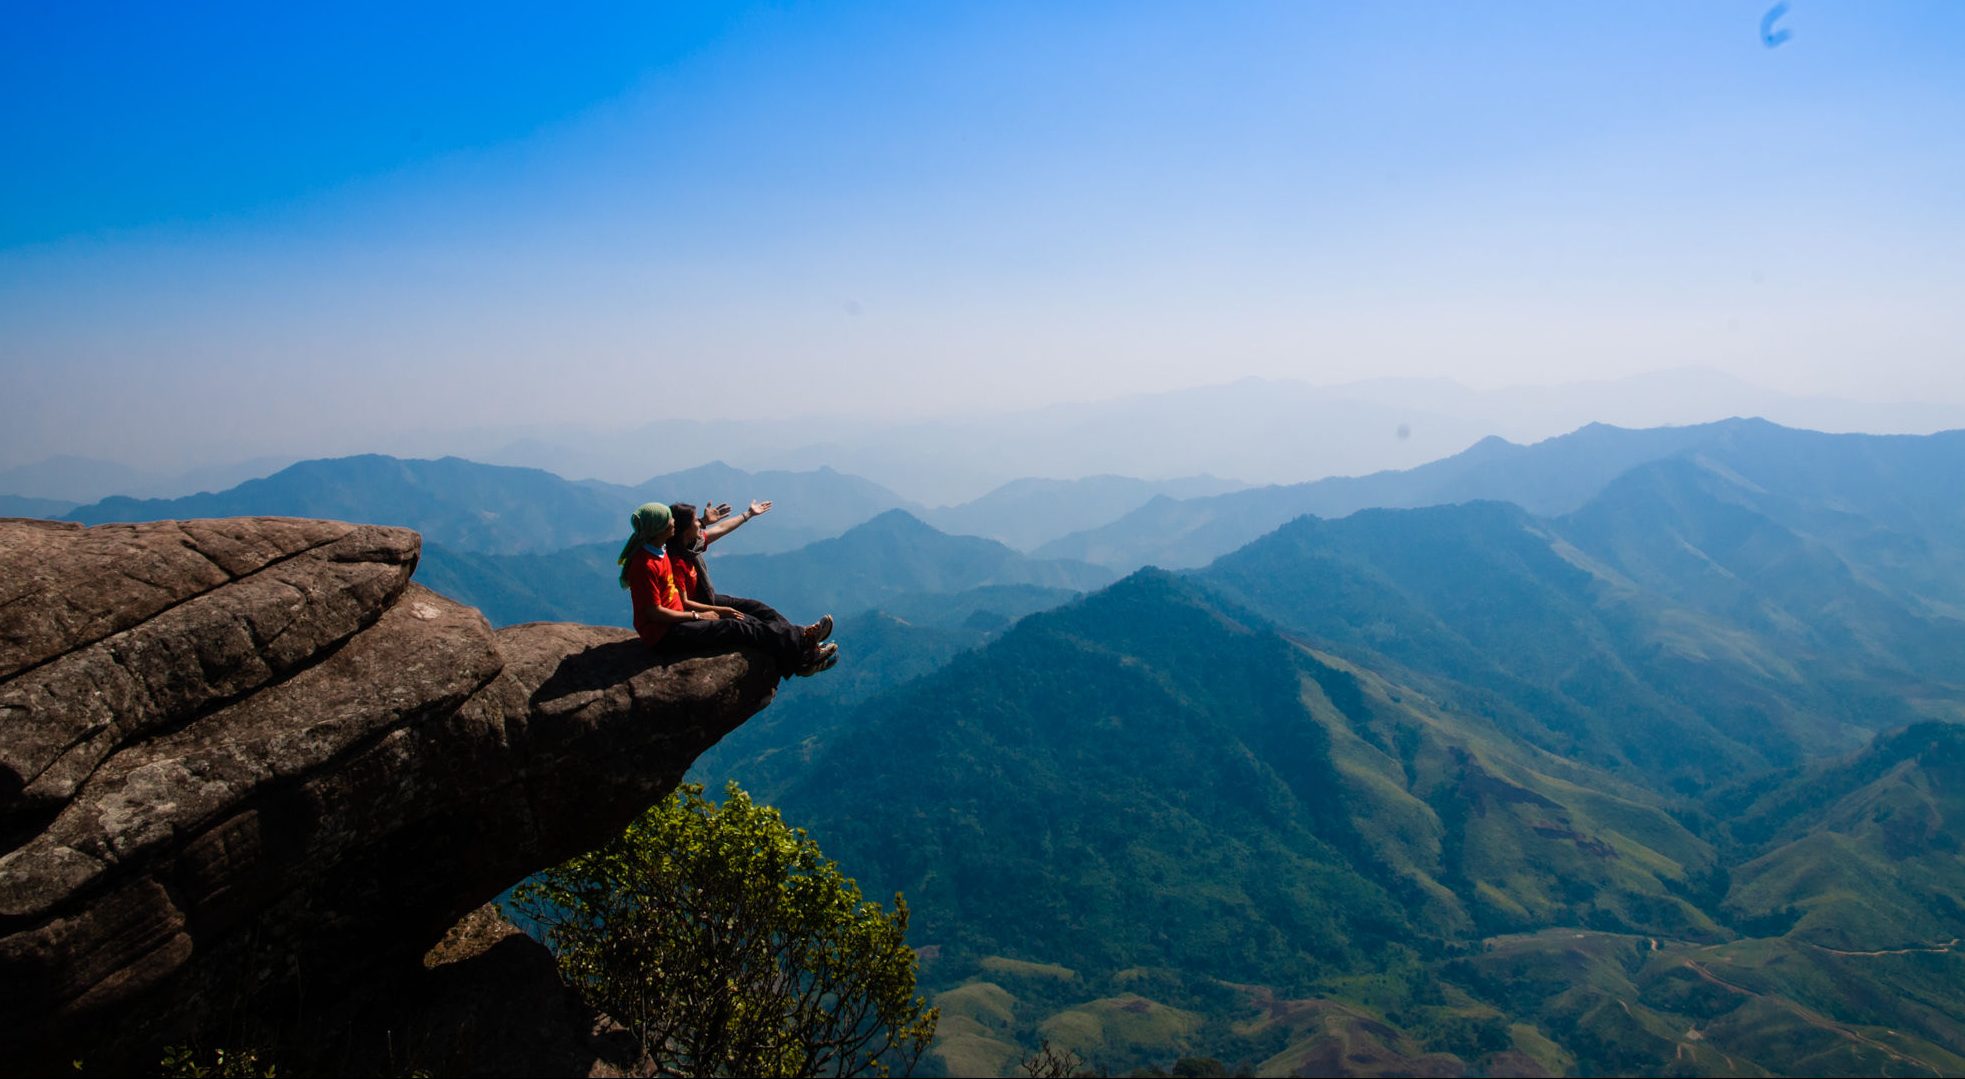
730,945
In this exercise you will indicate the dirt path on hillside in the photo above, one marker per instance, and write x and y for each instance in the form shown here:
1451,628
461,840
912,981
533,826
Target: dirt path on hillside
1812,1018
1936,949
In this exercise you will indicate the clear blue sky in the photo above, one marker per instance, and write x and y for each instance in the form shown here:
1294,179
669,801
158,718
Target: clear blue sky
236,229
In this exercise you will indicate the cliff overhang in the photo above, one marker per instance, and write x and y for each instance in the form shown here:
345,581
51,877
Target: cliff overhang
245,763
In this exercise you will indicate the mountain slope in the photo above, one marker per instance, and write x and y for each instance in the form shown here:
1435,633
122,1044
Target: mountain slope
1481,598
1192,791
1861,854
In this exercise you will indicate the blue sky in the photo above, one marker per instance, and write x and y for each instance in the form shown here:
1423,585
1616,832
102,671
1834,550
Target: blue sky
237,229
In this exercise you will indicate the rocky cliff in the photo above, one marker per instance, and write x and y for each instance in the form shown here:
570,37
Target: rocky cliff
248,767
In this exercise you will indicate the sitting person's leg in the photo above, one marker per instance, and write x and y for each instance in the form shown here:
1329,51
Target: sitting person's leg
784,642
764,612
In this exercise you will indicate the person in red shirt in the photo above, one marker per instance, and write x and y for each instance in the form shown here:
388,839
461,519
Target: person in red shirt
670,622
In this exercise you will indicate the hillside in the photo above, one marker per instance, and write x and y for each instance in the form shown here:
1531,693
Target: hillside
1860,854
1198,798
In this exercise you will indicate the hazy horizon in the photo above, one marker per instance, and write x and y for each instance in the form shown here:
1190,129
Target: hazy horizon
1285,432
238,232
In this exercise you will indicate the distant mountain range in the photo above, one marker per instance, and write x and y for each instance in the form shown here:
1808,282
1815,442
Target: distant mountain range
1259,431
490,508
1550,477
1027,513
77,480
467,505
451,501
19,506
1262,431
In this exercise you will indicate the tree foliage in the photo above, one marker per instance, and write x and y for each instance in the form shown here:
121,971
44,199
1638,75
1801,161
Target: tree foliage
729,945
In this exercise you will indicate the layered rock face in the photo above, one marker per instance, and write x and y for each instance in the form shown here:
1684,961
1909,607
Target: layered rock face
246,764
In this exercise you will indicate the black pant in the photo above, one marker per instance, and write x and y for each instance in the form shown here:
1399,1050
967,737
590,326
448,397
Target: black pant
779,638
755,608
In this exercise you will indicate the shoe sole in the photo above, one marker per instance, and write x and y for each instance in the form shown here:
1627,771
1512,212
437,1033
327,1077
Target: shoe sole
823,662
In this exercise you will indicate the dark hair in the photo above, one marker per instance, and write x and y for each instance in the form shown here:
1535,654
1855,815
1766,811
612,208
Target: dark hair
685,515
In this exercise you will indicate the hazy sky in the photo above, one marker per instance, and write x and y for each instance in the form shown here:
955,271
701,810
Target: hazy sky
228,230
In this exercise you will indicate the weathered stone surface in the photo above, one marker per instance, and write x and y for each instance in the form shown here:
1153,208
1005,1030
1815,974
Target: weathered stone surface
290,769
95,678
63,586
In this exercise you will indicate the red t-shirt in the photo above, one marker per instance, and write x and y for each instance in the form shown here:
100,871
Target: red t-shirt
651,583
685,579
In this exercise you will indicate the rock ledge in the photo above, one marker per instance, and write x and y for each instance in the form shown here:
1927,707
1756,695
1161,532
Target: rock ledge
247,762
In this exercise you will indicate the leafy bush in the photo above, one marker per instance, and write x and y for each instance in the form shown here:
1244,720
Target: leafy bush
729,945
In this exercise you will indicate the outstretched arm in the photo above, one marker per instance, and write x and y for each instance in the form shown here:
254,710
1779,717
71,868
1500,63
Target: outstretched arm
726,525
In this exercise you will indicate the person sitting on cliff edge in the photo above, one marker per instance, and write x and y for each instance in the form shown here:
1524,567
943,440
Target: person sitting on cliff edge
692,577
671,623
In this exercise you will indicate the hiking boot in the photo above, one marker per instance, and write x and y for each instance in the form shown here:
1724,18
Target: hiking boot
818,631
822,660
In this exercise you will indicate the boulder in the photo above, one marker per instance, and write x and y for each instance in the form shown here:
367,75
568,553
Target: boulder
248,764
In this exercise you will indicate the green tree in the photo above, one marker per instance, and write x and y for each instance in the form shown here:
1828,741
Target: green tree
730,945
